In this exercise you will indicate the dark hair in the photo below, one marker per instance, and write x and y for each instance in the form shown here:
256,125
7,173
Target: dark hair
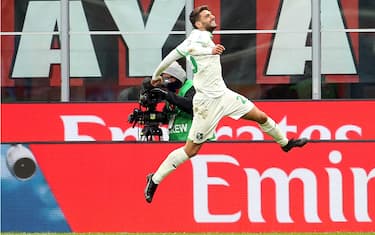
194,15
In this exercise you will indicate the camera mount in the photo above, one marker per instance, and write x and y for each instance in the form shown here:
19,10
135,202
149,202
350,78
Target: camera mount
151,131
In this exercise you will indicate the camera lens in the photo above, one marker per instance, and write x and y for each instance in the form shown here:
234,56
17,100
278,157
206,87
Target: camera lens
24,168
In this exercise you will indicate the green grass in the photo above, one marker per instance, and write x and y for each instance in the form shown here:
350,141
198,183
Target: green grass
307,233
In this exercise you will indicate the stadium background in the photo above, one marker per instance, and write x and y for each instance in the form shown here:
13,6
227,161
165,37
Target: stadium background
91,165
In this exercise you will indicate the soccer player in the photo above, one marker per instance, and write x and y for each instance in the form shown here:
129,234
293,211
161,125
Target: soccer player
212,101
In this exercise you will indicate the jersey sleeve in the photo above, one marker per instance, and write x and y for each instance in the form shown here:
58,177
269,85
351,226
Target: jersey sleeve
195,44
165,63
198,43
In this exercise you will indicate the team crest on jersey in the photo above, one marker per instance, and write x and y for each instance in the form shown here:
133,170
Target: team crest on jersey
199,136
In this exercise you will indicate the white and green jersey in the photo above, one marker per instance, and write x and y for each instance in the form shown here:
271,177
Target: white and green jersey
208,77
197,48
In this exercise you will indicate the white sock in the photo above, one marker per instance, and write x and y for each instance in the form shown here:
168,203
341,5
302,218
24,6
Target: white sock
173,160
270,127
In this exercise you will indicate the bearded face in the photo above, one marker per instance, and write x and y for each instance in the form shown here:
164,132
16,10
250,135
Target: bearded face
207,21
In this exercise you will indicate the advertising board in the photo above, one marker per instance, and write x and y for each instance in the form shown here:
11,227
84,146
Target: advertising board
91,172
228,187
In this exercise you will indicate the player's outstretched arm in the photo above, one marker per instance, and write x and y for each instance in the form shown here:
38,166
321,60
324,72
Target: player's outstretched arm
165,63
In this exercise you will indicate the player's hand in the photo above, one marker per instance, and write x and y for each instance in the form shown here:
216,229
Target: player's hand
218,49
157,82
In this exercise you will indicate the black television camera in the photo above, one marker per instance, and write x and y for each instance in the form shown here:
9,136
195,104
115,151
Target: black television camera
147,115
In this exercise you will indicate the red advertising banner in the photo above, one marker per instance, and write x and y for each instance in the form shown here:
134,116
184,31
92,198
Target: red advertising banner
228,187
317,120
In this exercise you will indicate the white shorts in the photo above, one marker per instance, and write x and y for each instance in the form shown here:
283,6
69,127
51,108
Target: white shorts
209,111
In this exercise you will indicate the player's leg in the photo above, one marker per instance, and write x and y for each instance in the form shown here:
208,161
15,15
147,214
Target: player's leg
206,117
269,126
170,163
237,106
174,159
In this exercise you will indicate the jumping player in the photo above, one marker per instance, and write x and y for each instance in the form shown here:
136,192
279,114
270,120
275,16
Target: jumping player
212,101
